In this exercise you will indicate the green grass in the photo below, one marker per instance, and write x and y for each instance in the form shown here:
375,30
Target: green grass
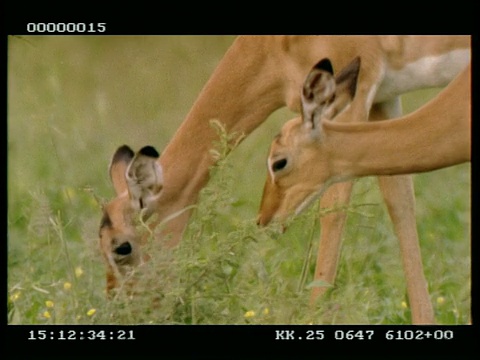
73,100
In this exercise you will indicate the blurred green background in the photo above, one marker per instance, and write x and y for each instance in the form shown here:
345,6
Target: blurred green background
73,100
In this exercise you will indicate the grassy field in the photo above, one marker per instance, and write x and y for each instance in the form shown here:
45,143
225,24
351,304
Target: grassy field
73,100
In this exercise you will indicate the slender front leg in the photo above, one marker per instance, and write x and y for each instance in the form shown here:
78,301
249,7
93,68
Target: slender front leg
400,199
398,193
330,236
336,195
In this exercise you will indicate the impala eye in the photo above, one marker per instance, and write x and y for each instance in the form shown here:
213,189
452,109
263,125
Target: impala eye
279,164
124,249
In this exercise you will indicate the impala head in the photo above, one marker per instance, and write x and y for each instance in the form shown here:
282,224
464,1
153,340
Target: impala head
137,180
296,172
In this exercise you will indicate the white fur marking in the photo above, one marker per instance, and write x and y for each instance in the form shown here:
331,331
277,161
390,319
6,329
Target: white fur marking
430,71
371,96
269,165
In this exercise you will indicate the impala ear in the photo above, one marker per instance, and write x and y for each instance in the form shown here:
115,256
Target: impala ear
323,95
346,82
144,177
118,165
318,91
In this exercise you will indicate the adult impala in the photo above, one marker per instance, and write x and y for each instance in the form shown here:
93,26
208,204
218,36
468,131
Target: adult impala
435,136
258,75
311,152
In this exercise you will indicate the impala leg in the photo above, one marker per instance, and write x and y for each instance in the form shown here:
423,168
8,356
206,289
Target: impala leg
400,199
398,192
330,236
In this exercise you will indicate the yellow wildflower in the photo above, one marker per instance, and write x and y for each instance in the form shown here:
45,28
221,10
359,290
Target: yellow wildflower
440,300
93,202
78,271
15,296
49,303
70,193
67,285
47,315
91,312
249,314
404,304
266,311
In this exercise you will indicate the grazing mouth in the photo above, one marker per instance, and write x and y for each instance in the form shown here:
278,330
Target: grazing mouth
123,260
316,194
309,200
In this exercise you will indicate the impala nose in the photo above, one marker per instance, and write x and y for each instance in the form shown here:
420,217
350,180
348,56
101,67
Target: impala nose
262,220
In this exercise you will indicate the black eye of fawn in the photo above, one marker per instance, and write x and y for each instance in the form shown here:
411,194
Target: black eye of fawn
279,164
124,249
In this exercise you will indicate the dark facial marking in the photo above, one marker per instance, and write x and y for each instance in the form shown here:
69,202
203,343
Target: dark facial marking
106,221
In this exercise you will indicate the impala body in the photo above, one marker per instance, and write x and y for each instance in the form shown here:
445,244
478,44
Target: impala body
258,75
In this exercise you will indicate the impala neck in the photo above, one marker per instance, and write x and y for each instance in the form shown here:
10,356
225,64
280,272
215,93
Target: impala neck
251,93
414,143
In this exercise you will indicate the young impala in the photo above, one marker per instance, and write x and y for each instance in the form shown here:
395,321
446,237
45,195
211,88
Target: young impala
258,75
